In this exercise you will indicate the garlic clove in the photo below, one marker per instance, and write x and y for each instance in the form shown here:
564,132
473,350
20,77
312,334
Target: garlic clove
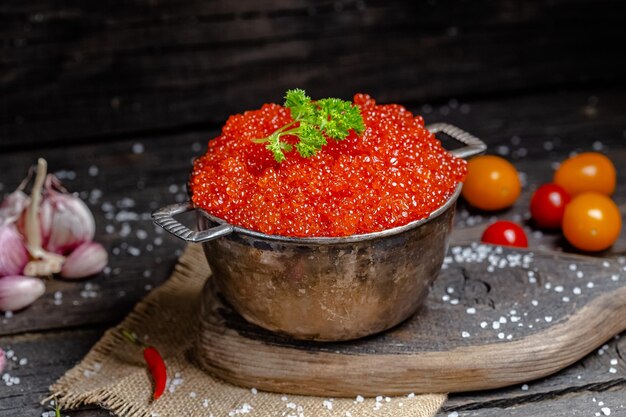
69,221
87,259
13,253
17,292
12,207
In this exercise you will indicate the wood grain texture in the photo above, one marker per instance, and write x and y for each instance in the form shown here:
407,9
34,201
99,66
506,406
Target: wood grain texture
572,404
40,360
72,71
492,327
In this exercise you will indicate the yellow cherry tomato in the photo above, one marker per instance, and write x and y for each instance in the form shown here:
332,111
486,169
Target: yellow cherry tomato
586,172
592,222
492,183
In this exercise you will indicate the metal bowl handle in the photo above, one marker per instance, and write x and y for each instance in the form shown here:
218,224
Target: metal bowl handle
474,146
164,217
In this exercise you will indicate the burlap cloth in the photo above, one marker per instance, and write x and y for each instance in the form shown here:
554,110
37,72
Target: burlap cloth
114,376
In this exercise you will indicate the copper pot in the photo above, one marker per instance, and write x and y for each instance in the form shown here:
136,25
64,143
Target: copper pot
325,288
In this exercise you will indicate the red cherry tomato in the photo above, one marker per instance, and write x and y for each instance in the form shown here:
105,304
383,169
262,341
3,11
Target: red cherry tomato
548,205
506,234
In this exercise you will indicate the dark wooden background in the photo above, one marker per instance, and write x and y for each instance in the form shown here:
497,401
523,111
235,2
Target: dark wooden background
119,96
76,71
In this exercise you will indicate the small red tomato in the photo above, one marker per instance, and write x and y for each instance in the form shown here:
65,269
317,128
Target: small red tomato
548,205
506,234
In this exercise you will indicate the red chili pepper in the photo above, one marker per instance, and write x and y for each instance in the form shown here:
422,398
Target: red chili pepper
157,369
155,363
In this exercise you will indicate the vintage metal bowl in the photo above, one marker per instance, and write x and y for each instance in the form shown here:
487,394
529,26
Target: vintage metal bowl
325,289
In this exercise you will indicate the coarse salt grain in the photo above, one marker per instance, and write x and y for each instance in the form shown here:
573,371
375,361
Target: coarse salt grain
525,387
470,310
138,148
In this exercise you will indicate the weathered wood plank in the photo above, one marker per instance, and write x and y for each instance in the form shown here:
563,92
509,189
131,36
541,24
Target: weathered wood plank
585,403
40,360
74,71
601,369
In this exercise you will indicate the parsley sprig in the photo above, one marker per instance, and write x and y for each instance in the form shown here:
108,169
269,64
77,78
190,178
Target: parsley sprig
316,120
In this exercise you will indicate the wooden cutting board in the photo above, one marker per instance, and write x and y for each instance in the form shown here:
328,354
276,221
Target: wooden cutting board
494,317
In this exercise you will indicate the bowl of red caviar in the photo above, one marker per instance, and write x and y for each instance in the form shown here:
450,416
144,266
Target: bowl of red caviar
325,220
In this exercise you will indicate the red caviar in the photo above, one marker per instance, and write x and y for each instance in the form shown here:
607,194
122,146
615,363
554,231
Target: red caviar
394,173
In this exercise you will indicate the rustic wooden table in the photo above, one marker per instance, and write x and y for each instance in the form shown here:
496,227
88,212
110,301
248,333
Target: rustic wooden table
119,100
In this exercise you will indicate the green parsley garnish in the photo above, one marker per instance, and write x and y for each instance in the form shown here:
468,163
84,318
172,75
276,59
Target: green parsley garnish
317,120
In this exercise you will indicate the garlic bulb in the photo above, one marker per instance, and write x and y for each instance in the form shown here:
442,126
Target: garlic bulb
17,292
13,253
66,221
87,259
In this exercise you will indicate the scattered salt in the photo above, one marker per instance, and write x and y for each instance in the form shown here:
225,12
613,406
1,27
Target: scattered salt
138,148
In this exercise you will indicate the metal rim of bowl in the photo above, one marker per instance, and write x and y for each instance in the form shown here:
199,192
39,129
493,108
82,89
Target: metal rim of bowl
342,239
